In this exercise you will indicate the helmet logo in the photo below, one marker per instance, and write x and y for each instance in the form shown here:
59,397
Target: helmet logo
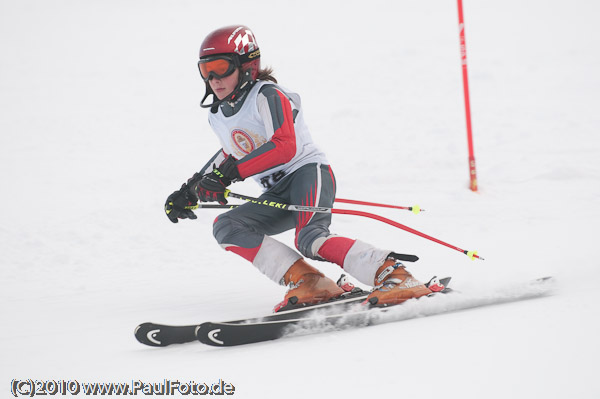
244,41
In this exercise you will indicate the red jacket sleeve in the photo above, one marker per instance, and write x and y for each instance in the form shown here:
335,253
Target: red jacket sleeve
281,148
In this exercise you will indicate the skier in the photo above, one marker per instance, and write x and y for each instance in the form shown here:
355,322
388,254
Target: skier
261,129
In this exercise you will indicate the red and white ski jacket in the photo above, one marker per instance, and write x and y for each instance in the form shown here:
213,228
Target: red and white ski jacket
266,134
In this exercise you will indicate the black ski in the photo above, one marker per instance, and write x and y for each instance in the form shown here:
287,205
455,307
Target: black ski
232,334
235,333
154,334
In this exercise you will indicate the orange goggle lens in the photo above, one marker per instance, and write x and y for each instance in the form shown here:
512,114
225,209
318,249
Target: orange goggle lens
218,68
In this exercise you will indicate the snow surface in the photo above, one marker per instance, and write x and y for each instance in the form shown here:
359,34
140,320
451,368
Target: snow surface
100,122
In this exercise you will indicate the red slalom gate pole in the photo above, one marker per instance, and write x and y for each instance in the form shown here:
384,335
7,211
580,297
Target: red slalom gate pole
463,53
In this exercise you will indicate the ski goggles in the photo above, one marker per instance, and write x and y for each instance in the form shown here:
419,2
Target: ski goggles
219,67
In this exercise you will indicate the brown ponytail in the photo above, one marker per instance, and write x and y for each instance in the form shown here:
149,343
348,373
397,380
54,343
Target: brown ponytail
266,74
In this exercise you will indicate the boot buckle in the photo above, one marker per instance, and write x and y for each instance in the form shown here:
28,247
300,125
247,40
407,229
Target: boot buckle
387,271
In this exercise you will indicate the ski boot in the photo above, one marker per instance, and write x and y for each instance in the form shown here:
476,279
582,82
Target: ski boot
394,285
307,286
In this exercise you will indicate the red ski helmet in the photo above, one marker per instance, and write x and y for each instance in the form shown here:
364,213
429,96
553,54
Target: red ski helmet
236,40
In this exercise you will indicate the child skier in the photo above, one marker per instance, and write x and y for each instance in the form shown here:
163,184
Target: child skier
262,133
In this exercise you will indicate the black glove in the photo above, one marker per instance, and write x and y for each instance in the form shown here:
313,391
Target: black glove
179,205
210,187
230,170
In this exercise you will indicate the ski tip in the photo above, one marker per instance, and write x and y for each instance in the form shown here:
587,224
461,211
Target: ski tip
146,333
153,334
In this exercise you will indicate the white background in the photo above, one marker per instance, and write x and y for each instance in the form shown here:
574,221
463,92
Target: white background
99,122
